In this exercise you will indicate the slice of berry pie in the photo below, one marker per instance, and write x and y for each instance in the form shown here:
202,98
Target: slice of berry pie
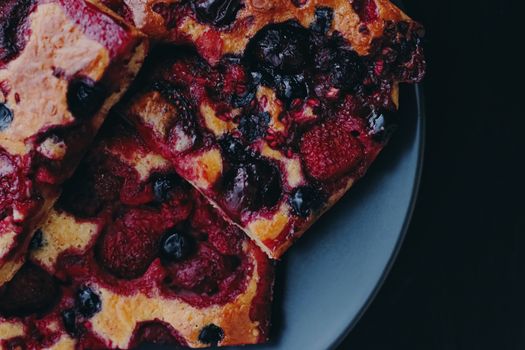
131,253
280,122
63,64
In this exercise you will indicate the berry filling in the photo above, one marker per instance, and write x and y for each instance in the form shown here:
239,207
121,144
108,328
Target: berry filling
155,233
154,230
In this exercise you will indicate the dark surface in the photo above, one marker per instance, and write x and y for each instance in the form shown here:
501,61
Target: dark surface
459,280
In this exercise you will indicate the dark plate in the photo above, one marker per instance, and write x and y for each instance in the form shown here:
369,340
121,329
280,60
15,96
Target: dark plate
329,277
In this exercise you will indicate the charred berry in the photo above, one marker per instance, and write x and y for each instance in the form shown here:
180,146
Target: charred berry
6,117
163,185
254,125
88,302
37,241
289,88
69,319
306,200
323,20
217,12
177,246
211,334
278,49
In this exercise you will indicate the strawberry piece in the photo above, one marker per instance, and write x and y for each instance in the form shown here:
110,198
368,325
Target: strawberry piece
329,151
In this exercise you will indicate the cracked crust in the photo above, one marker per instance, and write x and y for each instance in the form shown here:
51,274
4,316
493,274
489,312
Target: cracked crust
43,140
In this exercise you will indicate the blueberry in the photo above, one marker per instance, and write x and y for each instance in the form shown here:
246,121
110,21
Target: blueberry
69,318
217,12
6,117
211,334
280,48
37,241
289,88
163,185
254,125
306,200
85,97
88,302
323,20
177,246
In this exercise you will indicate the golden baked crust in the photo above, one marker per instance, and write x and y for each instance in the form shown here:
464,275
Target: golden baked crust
145,306
63,64
173,21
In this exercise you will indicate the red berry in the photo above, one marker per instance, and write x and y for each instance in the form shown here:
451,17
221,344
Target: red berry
31,290
329,151
131,244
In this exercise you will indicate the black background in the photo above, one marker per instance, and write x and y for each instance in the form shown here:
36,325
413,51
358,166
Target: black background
459,280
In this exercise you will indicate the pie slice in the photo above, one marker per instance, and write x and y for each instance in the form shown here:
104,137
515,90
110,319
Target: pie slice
131,253
63,64
290,111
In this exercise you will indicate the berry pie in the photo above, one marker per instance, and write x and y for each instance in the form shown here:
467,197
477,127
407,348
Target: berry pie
131,253
272,109
63,64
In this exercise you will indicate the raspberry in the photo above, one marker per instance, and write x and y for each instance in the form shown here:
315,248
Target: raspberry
328,151
210,45
131,244
155,332
31,290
